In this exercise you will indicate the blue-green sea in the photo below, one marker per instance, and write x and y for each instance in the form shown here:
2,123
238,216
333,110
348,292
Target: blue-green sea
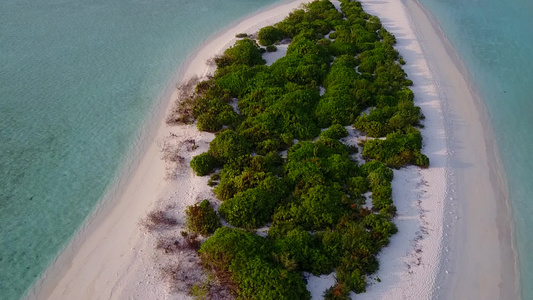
495,40
77,81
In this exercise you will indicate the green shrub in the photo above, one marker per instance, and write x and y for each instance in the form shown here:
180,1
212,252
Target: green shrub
241,35
306,251
337,292
335,131
379,177
249,209
324,42
234,182
354,280
306,47
269,35
381,226
321,207
271,48
267,146
202,218
397,149
337,107
208,122
339,168
421,160
358,185
227,145
245,259
203,164
244,51
372,128
214,179
381,196
300,69
377,166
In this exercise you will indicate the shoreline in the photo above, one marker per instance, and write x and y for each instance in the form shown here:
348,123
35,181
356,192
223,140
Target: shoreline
136,190
478,193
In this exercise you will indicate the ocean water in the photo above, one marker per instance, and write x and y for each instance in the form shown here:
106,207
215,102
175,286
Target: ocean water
495,41
77,81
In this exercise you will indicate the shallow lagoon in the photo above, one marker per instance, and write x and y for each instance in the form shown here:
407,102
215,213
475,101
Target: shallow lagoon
77,80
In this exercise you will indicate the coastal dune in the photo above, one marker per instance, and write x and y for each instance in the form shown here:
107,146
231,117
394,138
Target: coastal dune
446,213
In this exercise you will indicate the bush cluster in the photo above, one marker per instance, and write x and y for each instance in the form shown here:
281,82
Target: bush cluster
203,164
397,149
269,35
313,198
247,260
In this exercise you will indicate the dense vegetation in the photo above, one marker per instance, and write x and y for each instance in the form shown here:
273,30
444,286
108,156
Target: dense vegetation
312,200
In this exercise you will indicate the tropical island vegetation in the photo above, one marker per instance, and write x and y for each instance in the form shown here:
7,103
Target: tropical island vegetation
278,160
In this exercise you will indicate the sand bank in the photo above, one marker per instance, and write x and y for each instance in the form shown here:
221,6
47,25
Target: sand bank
479,258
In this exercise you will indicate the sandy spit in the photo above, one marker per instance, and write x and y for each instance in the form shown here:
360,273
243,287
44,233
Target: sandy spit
479,258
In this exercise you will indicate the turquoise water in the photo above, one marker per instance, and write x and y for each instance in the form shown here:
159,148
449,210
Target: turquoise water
495,40
77,80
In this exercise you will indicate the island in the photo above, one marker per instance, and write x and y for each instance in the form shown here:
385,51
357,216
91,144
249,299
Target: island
294,196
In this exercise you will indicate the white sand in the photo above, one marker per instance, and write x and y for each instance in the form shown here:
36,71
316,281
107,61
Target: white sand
112,258
271,57
479,257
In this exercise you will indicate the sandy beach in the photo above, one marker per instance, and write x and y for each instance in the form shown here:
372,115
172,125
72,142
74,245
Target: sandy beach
479,258
455,233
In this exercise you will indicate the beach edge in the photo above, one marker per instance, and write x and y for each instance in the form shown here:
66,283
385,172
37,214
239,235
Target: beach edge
455,278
